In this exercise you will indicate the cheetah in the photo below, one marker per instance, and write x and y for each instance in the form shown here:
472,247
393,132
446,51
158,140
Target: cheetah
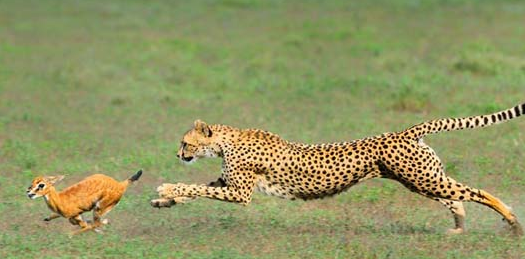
254,159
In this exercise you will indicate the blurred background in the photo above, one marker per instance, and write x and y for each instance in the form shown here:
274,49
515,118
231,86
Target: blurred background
111,86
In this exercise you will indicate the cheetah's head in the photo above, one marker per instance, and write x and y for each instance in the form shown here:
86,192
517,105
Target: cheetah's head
197,143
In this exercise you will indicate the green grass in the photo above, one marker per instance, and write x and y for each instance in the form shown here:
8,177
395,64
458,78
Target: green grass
111,86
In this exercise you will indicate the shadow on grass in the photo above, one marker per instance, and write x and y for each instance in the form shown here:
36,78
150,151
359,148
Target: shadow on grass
393,228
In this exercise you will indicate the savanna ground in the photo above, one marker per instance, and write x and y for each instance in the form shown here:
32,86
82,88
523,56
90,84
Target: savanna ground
111,86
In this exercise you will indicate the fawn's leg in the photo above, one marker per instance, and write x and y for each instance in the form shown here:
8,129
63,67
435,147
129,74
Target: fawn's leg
52,217
103,207
84,226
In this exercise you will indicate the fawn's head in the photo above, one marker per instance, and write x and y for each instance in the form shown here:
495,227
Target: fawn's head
41,186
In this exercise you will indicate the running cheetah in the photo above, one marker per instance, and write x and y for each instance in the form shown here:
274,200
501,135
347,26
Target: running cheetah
259,160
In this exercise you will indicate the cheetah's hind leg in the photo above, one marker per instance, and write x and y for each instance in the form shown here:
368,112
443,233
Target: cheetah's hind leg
458,211
485,198
458,192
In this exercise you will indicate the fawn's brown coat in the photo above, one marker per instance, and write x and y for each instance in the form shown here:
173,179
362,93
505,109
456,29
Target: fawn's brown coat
97,192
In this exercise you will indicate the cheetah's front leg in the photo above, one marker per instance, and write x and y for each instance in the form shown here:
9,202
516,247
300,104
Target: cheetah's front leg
168,202
239,191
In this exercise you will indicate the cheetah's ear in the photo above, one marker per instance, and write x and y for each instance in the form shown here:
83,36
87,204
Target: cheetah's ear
202,127
54,179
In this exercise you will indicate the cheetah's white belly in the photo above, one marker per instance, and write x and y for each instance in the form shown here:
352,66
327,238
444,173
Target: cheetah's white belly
264,186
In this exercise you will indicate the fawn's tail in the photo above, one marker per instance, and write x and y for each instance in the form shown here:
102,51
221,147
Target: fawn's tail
131,179
135,177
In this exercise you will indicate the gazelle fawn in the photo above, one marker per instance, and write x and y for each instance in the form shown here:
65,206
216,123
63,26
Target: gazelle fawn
97,192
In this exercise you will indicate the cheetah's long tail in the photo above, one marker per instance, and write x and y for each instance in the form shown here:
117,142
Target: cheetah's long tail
418,131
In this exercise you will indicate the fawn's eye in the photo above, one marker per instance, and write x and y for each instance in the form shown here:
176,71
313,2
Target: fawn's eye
41,186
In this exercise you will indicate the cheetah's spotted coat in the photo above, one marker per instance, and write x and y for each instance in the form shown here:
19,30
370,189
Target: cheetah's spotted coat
255,159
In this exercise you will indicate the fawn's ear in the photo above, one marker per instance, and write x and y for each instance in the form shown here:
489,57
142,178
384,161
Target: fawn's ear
202,127
54,179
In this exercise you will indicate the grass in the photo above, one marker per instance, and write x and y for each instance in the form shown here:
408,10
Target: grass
110,87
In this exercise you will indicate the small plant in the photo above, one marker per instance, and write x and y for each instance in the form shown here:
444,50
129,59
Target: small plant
411,99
